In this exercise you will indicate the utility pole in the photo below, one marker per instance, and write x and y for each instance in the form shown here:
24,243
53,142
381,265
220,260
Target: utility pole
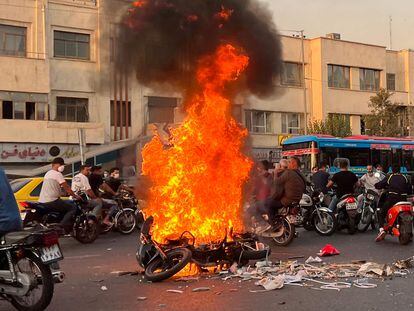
390,32
82,144
305,105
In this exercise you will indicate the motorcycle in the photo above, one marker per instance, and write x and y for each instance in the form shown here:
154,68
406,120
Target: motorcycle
124,219
347,213
85,225
26,259
400,222
313,215
369,208
162,261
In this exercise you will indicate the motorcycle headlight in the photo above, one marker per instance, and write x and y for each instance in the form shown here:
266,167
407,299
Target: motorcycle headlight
321,196
370,197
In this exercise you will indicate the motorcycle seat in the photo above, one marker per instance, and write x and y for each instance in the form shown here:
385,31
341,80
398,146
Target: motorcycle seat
15,237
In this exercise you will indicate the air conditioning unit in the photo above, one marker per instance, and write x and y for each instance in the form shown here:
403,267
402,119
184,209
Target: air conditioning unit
334,35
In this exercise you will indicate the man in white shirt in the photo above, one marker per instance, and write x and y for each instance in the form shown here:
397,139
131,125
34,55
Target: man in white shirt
80,184
52,190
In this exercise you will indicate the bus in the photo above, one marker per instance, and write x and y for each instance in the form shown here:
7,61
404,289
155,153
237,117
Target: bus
359,150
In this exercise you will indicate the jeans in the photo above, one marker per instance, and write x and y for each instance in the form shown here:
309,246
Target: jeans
113,206
96,206
65,208
334,202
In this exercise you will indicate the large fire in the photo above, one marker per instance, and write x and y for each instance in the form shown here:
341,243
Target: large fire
197,179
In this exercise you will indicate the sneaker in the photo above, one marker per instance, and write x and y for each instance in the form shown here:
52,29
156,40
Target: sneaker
381,235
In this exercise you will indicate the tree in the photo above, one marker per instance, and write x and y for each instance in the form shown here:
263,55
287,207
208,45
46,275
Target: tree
335,124
386,118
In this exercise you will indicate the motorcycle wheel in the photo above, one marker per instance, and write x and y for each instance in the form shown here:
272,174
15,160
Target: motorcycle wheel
126,221
352,226
288,233
86,232
34,266
159,270
406,232
365,221
326,225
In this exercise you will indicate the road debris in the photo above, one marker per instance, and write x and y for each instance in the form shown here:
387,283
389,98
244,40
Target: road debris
201,289
141,298
104,288
313,260
272,282
176,291
328,250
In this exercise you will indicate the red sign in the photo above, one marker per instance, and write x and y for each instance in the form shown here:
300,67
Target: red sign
299,152
381,146
408,147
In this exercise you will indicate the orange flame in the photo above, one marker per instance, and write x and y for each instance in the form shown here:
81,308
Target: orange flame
198,178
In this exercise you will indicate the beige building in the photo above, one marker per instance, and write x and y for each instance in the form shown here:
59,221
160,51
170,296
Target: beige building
59,82
59,76
340,78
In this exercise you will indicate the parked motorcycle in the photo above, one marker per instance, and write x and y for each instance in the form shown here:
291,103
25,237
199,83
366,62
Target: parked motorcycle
162,261
369,207
313,215
85,225
400,222
26,258
347,213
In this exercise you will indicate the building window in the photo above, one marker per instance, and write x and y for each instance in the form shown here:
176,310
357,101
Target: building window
259,121
391,81
71,109
23,110
338,76
292,74
369,79
291,123
161,109
12,40
118,113
71,45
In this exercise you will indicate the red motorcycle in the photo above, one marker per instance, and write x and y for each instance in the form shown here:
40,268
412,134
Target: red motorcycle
400,222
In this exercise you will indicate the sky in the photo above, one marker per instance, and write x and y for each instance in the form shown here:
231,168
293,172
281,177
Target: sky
364,21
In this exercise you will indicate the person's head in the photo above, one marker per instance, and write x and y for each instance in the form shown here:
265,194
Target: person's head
343,165
315,169
395,168
58,164
85,169
294,163
370,170
322,166
96,170
283,164
379,168
114,172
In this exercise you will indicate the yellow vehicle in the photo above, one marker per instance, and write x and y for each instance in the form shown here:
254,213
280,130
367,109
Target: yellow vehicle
28,189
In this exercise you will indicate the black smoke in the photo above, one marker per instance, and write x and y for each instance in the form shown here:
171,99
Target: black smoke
162,40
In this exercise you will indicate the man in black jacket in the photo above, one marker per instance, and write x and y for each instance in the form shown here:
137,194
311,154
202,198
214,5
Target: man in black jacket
398,187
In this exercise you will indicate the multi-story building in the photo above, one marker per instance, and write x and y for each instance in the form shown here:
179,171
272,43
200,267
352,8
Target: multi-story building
59,82
340,77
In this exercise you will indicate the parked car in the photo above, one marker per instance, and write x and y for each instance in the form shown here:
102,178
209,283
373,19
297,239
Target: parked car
28,189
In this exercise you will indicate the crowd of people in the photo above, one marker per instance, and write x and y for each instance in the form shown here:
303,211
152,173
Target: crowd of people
283,183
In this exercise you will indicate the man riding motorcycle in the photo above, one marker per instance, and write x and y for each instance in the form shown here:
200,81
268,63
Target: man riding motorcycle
52,190
369,180
398,187
9,212
288,188
345,182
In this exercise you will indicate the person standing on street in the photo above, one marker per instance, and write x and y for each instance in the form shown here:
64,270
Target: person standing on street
53,183
321,178
345,182
398,187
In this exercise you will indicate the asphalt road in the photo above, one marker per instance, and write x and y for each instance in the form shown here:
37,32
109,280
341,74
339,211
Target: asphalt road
90,267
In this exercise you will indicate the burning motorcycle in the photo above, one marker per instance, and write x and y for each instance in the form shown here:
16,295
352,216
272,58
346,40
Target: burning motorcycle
26,258
162,261
347,213
85,225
